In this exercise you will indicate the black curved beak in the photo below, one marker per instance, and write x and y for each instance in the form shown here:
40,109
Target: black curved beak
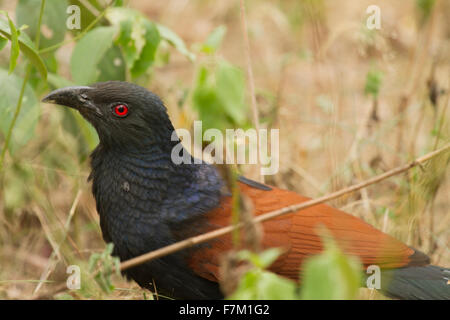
73,97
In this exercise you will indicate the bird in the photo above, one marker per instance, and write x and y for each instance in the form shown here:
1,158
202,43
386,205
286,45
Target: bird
145,201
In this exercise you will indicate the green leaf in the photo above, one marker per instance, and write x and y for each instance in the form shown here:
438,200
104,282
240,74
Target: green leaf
214,40
258,284
29,114
331,275
14,37
112,66
139,38
132,32
88,53
3,42
231,91
147,56
26,46
87,17
53,26
58,81
425,8
14,46
219,97
261,260
172,38
373,83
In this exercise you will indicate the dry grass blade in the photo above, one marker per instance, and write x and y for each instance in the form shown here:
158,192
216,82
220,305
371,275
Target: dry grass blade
251,80
52,260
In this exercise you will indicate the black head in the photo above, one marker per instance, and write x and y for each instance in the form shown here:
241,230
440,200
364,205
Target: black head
124,114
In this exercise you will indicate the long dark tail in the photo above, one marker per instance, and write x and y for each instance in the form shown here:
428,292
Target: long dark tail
417,283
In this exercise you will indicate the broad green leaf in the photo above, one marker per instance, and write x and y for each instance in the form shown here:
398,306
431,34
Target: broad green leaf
26,46
206,101
147,56
112,66
219,97
231,90
58,81
132,32
139,38
53,27
178,43
214,40
10,86
331,275
88,53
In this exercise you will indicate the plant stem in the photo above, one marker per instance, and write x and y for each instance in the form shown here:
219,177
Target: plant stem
22,90
251,82
16,114
38,34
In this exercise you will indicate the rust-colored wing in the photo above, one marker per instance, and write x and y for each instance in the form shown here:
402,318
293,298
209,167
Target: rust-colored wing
297,234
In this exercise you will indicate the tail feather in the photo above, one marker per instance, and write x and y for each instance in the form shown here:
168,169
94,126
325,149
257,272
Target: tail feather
417,283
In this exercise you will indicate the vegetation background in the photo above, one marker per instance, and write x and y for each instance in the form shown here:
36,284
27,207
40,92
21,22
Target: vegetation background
350,103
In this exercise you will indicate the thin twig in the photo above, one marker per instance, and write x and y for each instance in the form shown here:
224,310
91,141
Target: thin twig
273,214
90,7
251,80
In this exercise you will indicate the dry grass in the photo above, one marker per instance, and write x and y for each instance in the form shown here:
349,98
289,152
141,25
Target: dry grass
310,64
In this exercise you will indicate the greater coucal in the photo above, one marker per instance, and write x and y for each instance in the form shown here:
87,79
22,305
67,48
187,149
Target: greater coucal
146,201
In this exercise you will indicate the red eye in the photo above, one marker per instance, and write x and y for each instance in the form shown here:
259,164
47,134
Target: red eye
121,110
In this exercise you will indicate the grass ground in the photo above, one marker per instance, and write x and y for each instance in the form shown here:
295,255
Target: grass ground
311,61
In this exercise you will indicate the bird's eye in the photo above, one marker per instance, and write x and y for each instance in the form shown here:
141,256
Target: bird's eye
120,110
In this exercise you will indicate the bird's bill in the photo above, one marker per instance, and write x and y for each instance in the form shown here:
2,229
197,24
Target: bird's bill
73,97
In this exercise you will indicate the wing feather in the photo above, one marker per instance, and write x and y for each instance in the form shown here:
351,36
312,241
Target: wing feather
297,235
